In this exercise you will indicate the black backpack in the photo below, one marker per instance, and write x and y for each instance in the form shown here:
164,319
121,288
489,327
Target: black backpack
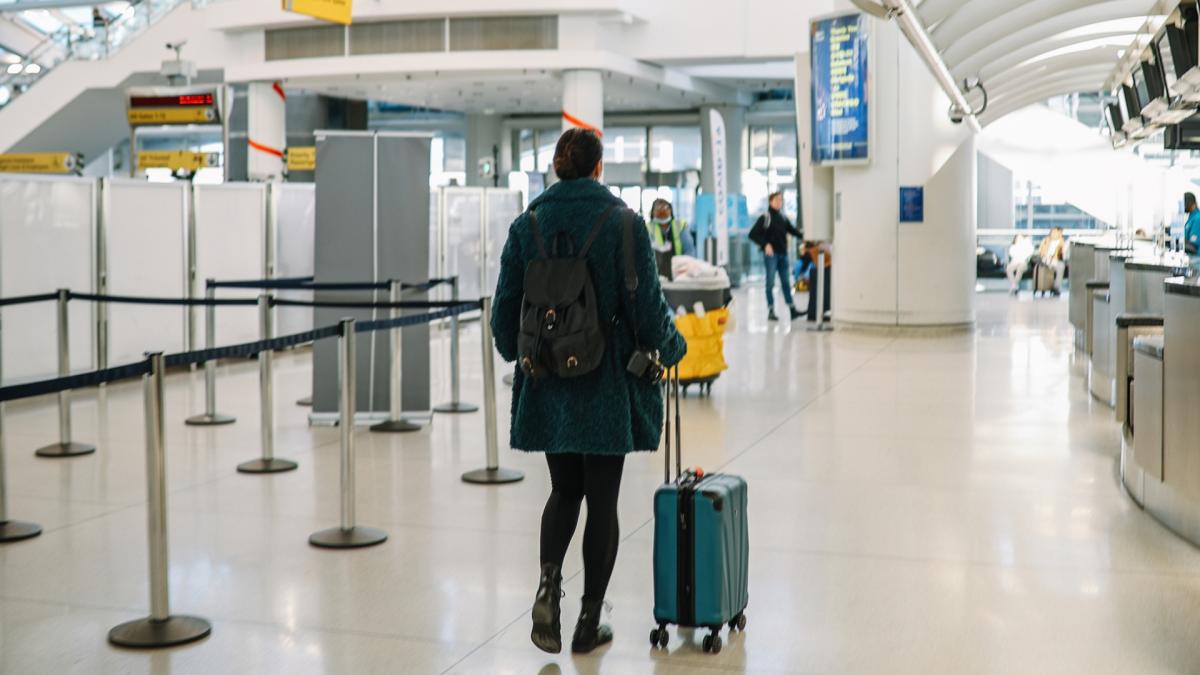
561,332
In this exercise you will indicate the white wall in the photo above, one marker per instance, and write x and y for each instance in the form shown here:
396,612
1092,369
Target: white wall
916,273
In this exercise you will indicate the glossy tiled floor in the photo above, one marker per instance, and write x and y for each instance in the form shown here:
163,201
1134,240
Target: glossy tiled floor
942,504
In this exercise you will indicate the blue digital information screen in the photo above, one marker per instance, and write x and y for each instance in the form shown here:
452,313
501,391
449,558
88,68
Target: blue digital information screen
840,120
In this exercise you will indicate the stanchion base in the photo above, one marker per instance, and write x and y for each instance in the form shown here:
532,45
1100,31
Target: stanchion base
495,476
150,633
57,450
394,426
15,530
273,465
821,328
355,537
508,379
456,407
209,420
305,402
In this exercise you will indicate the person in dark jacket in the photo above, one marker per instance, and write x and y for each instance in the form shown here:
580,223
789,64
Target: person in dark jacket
587,424
771,232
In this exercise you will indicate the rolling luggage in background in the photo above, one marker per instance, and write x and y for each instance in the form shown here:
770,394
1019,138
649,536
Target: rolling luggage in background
1043,278
701,546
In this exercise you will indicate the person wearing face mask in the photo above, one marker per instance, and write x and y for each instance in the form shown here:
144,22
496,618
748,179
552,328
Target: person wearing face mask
666,231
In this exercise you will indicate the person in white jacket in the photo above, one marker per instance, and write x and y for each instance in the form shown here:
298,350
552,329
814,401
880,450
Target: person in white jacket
1019,253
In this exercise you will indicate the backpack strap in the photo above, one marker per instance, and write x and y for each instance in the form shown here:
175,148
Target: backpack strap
587,245
631,277
537,234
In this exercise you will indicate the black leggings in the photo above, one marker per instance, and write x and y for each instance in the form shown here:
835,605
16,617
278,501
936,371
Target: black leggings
572,478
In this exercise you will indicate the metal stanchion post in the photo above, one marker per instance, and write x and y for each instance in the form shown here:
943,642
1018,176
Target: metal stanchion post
10,530
348,534
210,417
819,289
396,421
64,447
268,462
493,473
455,405
161,628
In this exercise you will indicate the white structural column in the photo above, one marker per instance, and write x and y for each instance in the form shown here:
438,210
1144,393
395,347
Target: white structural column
583,100
906,274
266,130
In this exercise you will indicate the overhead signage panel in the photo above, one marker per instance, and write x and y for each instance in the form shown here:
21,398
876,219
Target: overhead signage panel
840,89
189,115
149,106
337,11
40,162
176,160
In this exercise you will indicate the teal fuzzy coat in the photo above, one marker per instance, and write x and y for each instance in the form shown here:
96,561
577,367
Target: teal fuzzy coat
607,411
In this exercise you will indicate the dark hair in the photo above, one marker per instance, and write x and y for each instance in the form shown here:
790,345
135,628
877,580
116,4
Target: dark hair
661,202
773,195
577,154
1189,199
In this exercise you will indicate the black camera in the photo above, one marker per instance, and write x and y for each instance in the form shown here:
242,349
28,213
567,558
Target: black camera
646,366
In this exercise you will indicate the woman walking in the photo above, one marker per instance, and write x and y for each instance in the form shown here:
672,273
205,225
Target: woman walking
585,424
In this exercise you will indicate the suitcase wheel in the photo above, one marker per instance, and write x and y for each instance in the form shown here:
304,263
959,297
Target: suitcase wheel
712,643
659,637
738,622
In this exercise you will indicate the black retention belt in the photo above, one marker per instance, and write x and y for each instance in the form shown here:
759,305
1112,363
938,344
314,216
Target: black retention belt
89,379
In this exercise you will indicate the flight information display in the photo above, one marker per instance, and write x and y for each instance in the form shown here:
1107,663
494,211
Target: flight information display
840,91
1167,59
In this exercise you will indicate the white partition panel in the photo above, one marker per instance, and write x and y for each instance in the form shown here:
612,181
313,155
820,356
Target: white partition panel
47,241
463,217
145,228
503,207
230,241
295,215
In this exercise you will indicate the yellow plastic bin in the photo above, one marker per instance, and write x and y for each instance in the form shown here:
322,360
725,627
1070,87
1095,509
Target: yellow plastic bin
705,336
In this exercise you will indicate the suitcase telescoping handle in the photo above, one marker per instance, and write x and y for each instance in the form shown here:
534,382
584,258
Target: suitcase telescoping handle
672,386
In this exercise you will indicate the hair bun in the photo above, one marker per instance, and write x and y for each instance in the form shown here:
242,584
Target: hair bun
577,153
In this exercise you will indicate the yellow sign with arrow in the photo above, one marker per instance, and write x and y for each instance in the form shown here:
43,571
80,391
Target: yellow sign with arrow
302,158
40,162
337,11
176,160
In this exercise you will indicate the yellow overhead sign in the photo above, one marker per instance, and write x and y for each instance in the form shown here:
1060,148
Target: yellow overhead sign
175,160
302,158
181,115
337,11
39,162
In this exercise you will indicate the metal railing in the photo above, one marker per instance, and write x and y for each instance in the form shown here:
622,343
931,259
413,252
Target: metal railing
82,42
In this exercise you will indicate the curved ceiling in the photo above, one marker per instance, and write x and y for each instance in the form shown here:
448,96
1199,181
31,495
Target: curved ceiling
1025,51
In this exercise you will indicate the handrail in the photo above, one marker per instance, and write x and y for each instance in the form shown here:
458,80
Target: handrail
63,45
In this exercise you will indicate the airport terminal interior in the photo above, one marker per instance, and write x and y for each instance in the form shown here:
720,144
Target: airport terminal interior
893,380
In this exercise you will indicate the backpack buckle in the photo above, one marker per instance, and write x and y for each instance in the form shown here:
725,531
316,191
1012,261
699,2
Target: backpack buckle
549,320
572,362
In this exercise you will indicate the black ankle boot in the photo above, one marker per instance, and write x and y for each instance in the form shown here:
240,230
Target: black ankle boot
589,632
547,628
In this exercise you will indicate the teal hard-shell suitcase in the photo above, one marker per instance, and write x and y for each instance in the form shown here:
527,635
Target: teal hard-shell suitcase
701,548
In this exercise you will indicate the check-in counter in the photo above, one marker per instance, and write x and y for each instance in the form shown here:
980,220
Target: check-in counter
1167,481
1142,449
1089,326
1082,254
1136,303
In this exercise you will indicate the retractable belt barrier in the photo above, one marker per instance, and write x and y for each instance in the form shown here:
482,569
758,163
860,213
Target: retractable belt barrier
309,284
161,628
27,299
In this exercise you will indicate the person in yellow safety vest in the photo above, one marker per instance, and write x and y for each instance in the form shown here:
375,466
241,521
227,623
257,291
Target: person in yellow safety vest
664,229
